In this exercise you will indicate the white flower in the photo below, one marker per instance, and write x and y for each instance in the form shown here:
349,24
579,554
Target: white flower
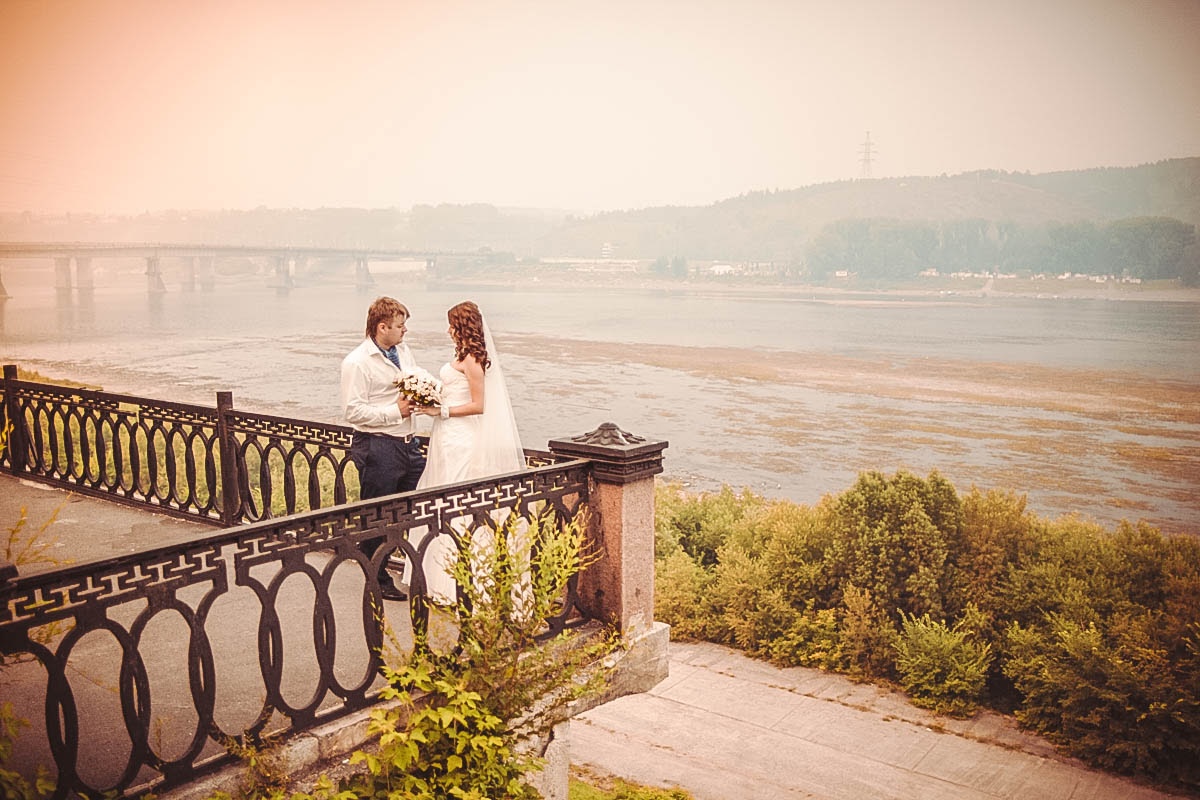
421,387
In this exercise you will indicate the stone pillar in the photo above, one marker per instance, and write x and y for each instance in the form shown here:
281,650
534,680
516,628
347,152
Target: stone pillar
154,281
283,273
85,275
362,274
205,273
620,585
189,274
3,292
62,273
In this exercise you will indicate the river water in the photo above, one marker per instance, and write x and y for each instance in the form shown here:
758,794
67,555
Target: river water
1089,407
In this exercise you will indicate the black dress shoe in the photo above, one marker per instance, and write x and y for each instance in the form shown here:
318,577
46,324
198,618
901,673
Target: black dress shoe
390,591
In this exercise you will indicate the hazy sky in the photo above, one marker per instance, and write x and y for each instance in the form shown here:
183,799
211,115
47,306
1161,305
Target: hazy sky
135,105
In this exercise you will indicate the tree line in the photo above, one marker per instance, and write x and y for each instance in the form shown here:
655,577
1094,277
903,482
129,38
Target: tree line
1150,248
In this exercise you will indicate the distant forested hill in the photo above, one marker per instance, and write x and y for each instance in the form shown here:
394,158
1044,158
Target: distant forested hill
785,227
780,225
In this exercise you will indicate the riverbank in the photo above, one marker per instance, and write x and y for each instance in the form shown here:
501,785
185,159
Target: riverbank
925,288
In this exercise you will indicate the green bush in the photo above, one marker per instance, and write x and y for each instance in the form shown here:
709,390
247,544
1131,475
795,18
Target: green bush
942,668
867,636
681,597
812,640
897,538
1089,635
1117,699
700,524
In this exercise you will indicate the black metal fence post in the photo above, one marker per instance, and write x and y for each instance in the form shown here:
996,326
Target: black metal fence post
231,494
18,441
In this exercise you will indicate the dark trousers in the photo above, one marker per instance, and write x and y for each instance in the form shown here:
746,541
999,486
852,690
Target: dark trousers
386,465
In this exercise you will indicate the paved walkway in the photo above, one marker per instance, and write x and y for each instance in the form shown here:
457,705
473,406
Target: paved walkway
726,726
721,725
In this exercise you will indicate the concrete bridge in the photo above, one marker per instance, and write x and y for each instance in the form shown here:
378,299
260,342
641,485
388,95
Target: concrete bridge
73,261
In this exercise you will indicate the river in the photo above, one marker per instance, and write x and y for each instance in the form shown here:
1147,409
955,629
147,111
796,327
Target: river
1089,407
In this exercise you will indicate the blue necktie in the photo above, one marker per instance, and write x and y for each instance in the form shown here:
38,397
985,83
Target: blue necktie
392,356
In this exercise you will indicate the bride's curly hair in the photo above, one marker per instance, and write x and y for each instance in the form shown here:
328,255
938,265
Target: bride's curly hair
466,326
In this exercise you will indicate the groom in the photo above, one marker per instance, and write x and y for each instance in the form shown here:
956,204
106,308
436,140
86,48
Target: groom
384,446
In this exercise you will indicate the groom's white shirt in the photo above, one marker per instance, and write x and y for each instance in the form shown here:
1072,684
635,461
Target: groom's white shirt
369,391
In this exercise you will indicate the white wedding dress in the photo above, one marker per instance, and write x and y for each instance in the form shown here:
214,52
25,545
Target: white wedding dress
454,441
464,449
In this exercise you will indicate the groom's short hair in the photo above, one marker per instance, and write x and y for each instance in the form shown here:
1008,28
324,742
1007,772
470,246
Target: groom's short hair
384,309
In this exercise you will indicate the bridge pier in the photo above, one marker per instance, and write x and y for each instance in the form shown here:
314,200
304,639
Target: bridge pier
362,273
154,281
283,273
189,274
198,269
205,273
62,273
85,275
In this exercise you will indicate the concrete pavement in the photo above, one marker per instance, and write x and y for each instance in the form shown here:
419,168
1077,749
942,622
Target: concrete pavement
726,726
721,725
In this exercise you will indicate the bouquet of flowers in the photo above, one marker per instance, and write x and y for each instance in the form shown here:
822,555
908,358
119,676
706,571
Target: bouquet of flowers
421,387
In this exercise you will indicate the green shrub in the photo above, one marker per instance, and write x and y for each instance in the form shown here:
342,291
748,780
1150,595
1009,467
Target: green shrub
995,532
752,610
1088,635
464,718
896,537
1119,700
812,640
942,668
868,637
681,598
700,524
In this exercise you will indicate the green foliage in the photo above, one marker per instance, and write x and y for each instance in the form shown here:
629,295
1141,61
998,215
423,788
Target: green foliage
1089,635
897,538
754,610
623,790
14,785
263,773
813,639
867,635
442,741
682,599
880,248
1116,698
701,524
941,667
462,718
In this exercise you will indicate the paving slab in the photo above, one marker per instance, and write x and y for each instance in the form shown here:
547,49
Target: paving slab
725,726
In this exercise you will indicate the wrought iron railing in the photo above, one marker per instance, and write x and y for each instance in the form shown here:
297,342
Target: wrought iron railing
138,670
112,654
213,464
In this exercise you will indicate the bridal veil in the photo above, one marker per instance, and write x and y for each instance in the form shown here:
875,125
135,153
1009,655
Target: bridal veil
499,447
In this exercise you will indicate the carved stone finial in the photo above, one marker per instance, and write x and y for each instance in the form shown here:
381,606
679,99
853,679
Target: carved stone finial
617,456
608,435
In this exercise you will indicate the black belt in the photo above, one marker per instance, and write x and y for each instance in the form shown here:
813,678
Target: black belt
407,438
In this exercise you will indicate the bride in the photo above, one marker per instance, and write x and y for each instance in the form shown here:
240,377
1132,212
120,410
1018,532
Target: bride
474,430
474,433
